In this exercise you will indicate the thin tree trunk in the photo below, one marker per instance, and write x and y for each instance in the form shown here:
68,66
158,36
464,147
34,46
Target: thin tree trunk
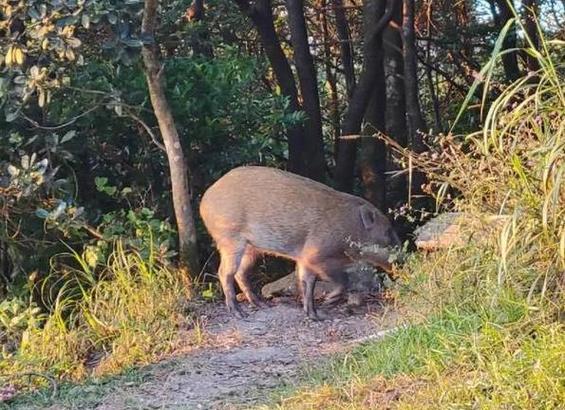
330,74
188,250
351,126
462,17
416,123
394,72
346,56
314,142
346,51
531,11
372,156
509,60
261,15
396,100
373,151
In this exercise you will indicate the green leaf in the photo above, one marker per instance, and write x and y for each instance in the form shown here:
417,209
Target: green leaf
68,136
11,116
73,42
41,213
100,182
67,21
85,20
13,171
112,18
110,190
33,13
132,42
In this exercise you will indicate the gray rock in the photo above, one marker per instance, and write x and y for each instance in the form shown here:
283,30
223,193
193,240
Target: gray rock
455,229
361,279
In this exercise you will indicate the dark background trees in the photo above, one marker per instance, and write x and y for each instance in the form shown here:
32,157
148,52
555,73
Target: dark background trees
118,115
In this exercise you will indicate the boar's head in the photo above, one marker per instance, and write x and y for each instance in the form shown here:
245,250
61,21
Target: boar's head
377,228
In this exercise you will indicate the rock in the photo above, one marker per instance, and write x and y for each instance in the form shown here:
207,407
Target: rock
442,231
445,230
361,279
355,299
286,286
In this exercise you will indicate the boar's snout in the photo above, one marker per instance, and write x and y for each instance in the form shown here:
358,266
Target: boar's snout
394,240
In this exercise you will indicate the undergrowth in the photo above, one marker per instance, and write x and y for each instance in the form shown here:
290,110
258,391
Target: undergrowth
102,322
484,317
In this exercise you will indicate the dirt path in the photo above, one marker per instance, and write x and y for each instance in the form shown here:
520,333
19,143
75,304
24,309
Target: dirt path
243,361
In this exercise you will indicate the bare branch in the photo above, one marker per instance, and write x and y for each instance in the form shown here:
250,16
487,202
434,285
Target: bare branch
147,129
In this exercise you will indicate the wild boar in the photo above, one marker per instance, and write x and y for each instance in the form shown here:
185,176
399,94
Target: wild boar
259,210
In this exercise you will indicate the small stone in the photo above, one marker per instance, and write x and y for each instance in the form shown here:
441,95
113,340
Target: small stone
355,299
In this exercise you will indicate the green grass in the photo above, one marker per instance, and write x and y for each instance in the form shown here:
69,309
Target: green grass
77,395
93,390
465,352
102,323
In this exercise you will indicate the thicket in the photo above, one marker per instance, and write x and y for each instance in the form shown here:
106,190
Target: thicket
483,321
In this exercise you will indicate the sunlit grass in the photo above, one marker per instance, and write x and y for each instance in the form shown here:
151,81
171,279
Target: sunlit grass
129,314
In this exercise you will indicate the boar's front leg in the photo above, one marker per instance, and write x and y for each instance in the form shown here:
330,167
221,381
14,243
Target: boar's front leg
230,260
241,277
339,280
333,270
307,282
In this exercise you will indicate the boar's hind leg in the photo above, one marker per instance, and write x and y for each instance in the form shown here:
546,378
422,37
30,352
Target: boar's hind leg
242,279
307,281
229,263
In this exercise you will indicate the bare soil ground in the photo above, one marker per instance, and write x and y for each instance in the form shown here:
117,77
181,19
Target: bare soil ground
244,361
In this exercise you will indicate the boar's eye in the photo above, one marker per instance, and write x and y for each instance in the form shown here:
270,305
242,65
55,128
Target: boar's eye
367,217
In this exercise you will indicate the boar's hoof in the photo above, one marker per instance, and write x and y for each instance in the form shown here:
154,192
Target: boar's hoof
259,304
237,311
333,299
255,301
313,316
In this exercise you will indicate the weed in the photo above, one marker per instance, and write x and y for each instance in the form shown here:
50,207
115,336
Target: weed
129,314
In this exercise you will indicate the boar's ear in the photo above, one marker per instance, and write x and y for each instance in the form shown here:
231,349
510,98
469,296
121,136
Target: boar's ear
367,216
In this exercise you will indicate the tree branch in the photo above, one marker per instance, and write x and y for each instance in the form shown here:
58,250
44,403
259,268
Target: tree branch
147,129
383,21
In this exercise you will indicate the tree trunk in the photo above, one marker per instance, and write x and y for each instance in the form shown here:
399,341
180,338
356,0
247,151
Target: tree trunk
351,126
261,15
416,123
394,72
462,21
531,11
396,101
188,250
346,57
346,51
373,151
330,73
509,60
314,142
